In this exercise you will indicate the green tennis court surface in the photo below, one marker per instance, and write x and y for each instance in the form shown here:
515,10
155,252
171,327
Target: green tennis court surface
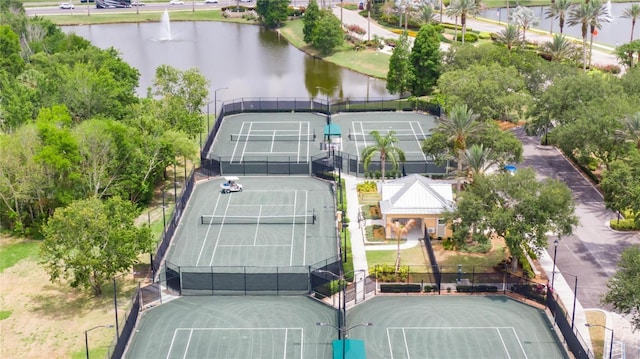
294,137
438,327
454,327
234,328
274,221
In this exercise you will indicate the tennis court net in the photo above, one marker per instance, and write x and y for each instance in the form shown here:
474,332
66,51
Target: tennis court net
293,219
282,137
400,136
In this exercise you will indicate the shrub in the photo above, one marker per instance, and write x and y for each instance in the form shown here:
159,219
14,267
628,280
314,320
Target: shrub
469,37
476,289
627,224
400,288
448,244
387,273
357,29
430,288
484,35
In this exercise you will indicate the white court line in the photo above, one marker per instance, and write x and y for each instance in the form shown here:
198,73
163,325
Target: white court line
406,345
519,343
173,340
215,246
261,205
504,346
304,243
186,349
254,245
286,334
206,235
449,328
293,230
418,132
235,147
246,142
255,235
286,331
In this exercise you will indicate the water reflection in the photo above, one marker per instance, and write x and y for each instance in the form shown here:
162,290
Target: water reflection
249,60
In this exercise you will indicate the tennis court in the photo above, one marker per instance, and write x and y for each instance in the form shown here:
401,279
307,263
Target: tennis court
409,128
234,328
454,327
286,137
274,221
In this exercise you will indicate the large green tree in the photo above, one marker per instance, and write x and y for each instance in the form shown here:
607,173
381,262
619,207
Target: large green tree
386,148
491,91
426,59
272,12
518,208
91,241
624,287
400,75
311,16
327,34
621,185
182,95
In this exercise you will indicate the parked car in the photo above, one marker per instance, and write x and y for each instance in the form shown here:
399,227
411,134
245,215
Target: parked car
176,2
137,3
210,1
67,6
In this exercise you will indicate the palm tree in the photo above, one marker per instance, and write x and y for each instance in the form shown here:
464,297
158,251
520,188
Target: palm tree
458,126
632,127
428,14
598,15
580,15
463,8
478,160
399,229
559,48
385,146
510,36
558,10
632,13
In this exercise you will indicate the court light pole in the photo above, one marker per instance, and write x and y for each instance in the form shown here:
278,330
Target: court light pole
555,252
215,100
86,336
610,340
344,331
575,296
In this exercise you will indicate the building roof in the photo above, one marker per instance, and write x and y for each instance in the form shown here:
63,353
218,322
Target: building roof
415,194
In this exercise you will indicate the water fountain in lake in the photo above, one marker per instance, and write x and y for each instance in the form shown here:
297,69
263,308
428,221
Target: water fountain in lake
609,15
165,27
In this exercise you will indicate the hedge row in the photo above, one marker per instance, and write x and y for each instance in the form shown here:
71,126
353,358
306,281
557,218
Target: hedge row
415,288
400,288
476,289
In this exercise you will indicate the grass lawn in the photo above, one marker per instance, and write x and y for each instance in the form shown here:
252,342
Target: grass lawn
80,17
596,317
368,62
13,251
412,257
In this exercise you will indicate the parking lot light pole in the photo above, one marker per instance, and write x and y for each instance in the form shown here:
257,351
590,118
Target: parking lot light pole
610,341
86,336
344,331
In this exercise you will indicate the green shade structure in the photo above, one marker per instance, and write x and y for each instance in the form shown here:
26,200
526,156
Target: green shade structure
353,349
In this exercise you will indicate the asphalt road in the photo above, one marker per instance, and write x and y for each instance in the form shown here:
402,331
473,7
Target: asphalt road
594,249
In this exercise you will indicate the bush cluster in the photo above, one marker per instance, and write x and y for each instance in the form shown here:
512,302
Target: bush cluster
469,37
476,288
627,224
387,273
400,288
357,29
